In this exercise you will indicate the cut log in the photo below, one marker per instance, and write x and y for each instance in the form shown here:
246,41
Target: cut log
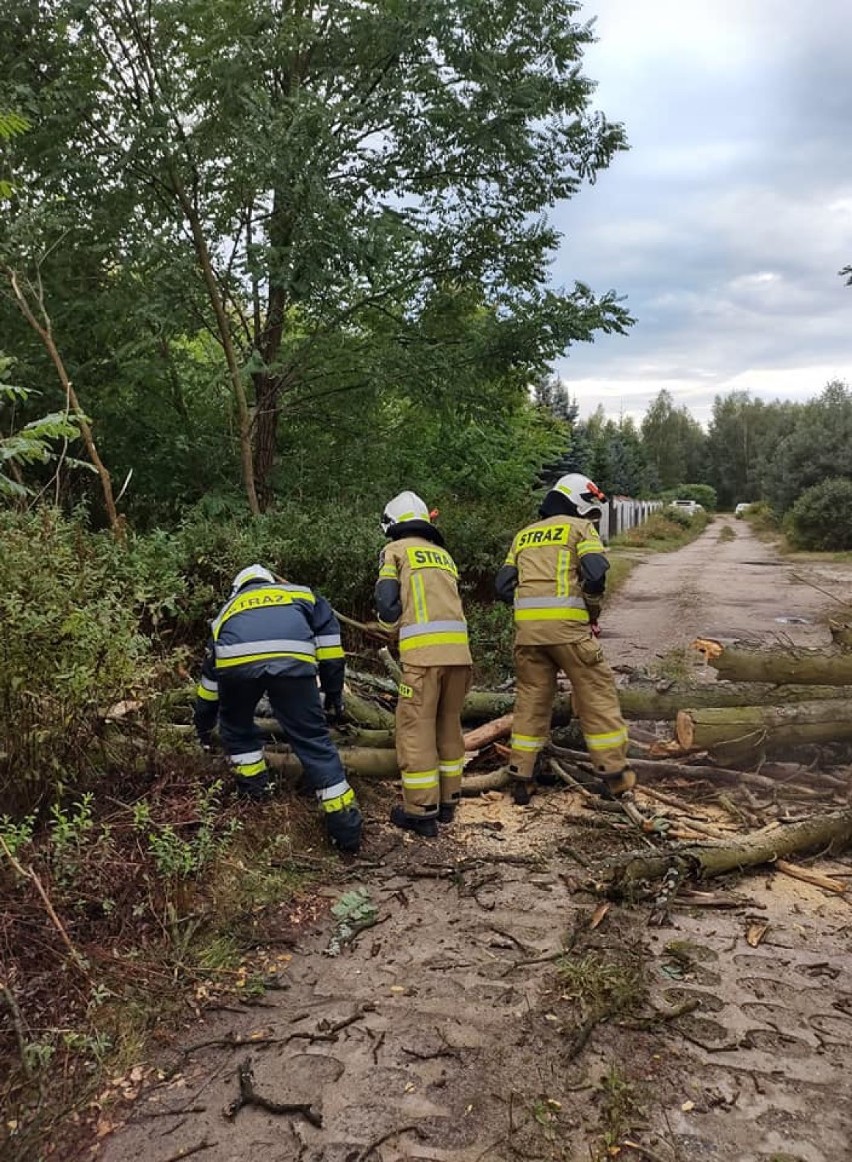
360,760
831,666
483,705
489,732
737,732
367,713
621,875
647,700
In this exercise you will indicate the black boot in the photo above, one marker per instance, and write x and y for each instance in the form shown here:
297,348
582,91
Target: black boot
522,790
426,826
446,813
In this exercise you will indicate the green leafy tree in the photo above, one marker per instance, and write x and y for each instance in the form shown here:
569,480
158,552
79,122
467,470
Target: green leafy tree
330,184
674,443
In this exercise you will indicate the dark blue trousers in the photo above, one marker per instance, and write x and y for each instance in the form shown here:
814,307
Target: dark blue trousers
296,705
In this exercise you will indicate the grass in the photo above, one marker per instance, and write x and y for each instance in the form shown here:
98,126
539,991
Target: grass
728,533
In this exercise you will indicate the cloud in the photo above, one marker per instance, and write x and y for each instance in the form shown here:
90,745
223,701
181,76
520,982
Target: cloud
727,222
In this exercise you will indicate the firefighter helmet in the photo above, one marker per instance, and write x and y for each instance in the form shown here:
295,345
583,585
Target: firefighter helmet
583,493
251,573
405,506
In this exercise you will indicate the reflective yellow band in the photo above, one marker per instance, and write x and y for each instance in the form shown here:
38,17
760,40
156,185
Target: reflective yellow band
592,545
389,571
527,742
265,598
412,779
606,741
551,614
563,573
434,639
431,559
249,769
339,802
418,592
326,653
225,663
207,695
451,768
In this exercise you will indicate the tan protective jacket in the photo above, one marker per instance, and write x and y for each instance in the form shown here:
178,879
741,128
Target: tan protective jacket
420,579
550,606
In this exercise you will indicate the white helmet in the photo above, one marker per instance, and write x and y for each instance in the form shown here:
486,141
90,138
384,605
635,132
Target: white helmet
405,506
583,493
251,573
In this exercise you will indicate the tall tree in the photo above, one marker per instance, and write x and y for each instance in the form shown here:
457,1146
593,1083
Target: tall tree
319,166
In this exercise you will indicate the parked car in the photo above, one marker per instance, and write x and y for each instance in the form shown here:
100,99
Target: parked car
741,510
690,507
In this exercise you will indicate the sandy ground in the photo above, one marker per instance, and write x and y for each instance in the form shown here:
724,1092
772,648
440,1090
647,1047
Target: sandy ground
466,1038
735,589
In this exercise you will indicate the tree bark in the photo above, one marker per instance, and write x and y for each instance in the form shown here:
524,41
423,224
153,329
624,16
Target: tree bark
485,705
830,666
701,860
642,700
745,730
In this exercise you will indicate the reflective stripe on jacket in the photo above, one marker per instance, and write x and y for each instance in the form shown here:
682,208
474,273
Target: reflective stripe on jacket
417,595
280,629
543,567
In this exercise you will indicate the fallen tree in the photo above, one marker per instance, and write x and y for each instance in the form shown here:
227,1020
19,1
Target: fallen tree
741,731
645,699
739,662
622,875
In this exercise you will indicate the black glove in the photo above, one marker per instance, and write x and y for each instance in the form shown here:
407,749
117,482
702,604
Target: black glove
334,708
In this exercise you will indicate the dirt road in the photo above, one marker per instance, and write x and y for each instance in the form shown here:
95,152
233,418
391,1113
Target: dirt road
452,1030
715,587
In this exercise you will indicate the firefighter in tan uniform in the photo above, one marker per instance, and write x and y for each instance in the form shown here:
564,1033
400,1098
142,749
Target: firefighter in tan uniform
417,597
555,575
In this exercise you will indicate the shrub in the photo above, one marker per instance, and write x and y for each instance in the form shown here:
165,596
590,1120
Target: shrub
821,518
71,647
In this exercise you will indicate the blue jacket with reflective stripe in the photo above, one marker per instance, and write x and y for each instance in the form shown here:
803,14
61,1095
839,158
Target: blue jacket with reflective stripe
270,630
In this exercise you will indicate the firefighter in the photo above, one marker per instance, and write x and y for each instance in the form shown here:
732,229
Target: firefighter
272,637
417,597
555,575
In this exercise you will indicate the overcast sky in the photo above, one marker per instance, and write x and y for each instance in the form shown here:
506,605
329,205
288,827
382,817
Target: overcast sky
727,221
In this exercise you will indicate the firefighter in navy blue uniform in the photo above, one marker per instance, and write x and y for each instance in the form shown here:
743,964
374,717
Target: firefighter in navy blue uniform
555,576
273,638
417,598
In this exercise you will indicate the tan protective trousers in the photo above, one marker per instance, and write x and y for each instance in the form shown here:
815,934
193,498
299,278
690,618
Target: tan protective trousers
593,697
429,741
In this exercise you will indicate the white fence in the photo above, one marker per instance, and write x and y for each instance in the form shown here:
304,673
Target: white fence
623,513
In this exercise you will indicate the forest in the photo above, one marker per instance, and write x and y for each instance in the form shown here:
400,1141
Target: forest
259,270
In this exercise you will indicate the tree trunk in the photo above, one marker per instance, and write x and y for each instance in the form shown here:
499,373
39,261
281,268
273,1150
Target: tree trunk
830,666
642,700
267,390
841,634
44,330
701,860
744,730
224,328
485,705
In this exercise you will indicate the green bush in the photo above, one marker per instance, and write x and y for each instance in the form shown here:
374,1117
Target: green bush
71,648
821,518
703,494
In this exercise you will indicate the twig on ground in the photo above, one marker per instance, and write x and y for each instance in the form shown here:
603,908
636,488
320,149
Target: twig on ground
368,1150
250,1097
188,1151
